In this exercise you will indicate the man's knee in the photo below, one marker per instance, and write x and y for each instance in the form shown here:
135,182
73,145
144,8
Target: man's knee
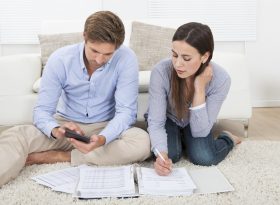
144,145
22,130
139,141
16,134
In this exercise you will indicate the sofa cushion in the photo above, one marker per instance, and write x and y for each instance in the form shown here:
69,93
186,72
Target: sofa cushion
36,85
144,80
150,43
51,42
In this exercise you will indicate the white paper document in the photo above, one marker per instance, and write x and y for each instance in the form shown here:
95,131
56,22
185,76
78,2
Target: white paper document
178,183
64,180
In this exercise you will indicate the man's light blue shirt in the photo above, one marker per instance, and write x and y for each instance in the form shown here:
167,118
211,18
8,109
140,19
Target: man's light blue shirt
110,94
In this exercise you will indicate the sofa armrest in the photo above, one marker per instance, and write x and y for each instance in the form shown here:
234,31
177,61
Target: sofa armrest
18,73
238,102
17,99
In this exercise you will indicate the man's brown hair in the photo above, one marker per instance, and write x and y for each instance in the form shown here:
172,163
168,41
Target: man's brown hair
106,27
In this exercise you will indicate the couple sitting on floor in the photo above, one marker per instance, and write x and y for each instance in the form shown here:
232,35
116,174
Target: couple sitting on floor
92,87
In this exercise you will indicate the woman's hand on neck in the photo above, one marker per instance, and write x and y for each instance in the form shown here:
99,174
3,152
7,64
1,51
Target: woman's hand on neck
200,83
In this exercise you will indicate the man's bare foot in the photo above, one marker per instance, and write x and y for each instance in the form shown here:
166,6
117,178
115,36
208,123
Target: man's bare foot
48,157
236,140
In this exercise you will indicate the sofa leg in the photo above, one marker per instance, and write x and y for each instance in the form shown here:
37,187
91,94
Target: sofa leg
246,127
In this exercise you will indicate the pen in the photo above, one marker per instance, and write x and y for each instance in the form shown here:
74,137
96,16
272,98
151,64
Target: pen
158,153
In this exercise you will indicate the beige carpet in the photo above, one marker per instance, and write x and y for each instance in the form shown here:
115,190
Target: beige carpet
253,168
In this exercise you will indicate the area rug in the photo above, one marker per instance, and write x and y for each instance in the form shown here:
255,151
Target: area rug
253,168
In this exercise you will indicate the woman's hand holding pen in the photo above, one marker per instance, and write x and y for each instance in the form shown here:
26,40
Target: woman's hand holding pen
163,167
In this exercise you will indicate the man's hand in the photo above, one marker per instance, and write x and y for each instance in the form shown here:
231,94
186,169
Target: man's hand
95,142
58,132
163,168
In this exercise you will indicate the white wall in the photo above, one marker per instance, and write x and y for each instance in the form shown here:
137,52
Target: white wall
262,54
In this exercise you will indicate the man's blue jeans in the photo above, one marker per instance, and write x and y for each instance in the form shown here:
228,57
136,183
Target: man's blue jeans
205,151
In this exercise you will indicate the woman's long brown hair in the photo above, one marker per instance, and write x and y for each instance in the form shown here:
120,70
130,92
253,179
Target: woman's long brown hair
200,37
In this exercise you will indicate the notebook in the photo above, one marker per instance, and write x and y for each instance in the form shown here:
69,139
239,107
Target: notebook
121,182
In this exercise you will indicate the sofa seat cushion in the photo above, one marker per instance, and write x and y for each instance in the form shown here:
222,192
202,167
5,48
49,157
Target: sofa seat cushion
17,109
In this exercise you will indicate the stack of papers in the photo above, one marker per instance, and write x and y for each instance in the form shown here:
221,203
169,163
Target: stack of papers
124,181
106,182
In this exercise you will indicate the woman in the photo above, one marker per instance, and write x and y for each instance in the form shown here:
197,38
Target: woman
186,94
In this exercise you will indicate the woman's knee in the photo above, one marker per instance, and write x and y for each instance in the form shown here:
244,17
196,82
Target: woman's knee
175,156
202,158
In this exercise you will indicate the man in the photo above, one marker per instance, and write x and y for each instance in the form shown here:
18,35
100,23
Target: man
90,88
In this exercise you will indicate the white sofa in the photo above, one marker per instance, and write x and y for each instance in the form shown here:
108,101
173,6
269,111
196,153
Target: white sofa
17,76
18,73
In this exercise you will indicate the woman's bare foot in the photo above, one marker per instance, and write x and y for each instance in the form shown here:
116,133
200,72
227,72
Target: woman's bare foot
236,140
48,157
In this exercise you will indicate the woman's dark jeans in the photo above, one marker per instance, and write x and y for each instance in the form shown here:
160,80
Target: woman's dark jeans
205,151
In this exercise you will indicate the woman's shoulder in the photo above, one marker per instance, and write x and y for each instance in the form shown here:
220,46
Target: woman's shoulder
220,75
163,68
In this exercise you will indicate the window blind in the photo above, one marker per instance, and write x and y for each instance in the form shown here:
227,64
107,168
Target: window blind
18,22
230,20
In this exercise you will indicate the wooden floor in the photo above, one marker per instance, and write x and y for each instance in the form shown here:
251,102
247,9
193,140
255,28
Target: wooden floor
263,125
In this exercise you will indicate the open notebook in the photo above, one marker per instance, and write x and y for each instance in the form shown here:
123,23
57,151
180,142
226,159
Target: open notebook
120,182
130,181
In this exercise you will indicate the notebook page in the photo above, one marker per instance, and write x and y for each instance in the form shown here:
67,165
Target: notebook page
105,182
177,183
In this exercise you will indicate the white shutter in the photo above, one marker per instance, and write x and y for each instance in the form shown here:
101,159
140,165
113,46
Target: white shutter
20,20
18,24
230,20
